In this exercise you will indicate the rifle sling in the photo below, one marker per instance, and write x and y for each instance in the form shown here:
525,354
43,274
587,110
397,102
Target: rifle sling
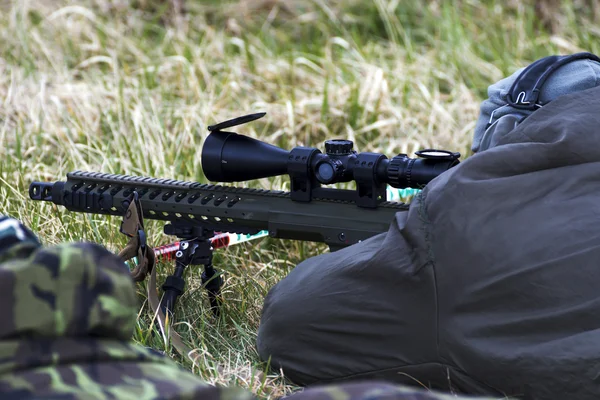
133,226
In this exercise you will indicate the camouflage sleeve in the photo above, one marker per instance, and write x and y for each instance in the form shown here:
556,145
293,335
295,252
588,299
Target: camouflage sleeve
68,317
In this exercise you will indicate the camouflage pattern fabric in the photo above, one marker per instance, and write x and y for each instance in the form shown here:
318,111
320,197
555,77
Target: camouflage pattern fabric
12,233
68,315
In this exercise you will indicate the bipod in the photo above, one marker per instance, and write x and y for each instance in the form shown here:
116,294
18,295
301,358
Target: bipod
195,248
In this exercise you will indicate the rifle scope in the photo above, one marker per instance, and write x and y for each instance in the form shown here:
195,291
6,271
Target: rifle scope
230,157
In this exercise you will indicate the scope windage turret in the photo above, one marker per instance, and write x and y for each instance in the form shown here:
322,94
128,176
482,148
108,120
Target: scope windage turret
230,157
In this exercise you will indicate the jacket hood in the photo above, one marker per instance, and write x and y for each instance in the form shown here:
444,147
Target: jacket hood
571,78
562,133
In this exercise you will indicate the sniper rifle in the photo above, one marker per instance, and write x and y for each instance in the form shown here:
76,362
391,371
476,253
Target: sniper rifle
195,212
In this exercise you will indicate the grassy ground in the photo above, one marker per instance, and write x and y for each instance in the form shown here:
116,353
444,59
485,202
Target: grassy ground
130,86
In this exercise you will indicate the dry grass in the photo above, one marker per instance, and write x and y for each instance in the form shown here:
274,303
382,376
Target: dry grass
130,87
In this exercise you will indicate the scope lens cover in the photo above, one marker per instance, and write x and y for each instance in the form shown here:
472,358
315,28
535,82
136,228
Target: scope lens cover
236,121
434,154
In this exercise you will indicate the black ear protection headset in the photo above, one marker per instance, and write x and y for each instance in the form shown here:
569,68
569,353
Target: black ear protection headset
525,91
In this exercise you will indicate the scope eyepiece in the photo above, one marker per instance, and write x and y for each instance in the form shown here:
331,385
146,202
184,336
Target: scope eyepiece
406,172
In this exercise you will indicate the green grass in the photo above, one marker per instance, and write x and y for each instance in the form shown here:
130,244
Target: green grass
130,87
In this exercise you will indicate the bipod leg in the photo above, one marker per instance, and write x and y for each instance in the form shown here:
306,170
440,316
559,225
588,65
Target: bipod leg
175,284
212,282
197,251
